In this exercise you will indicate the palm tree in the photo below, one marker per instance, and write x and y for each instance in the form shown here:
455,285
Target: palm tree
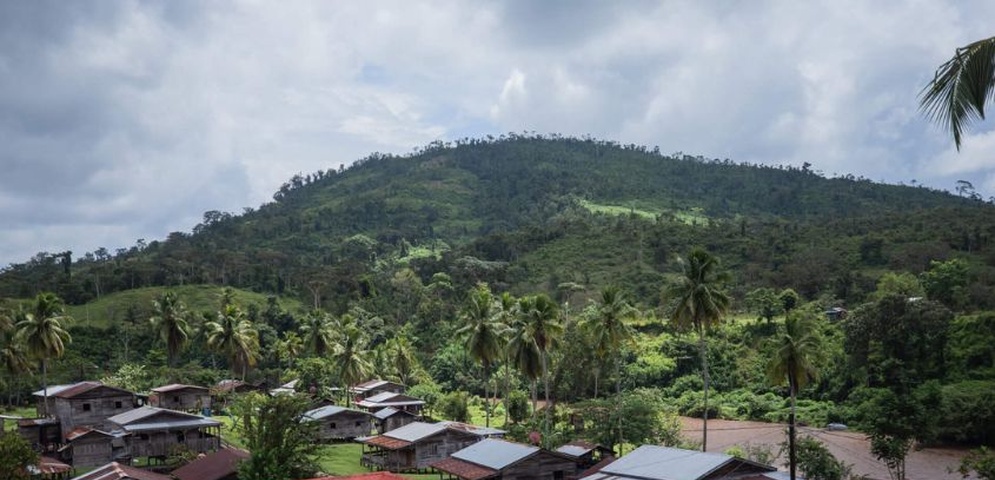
483,334
506,314
798,347
698,302
289,348
960,88
13,357
542,320
606,325
171,319
233,336
42,333
319,333
350,354
524,354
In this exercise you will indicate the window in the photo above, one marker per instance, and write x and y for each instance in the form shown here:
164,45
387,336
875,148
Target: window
117,404
331,425
359,424
180,438
176,399
558,475
86,407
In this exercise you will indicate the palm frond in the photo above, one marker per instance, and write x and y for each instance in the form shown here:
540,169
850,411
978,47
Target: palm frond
960,88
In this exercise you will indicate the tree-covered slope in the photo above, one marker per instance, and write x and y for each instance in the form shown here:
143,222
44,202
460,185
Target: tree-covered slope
551,213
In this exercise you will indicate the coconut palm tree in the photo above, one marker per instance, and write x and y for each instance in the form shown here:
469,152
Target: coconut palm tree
319,333
961,87
233,336
42,332
524,354
606,325
351,357
698,302
483,333
542,320
798,348
507,311
13,356
171,320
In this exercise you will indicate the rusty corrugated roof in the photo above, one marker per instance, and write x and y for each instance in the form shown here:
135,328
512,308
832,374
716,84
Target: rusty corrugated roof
177,386
366,476
117,471
463,469
213,466
387,442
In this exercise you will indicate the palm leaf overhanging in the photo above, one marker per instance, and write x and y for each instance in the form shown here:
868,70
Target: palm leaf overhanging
961,87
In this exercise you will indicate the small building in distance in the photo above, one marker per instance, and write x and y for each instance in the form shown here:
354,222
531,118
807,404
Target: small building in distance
585,453
651,462
383,400
340,423
390,418
157,432
220,465
373,387
414,447
186,398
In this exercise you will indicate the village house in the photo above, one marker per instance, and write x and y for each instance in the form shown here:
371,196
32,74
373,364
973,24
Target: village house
83,404
501,459
373,387
414,447
651,462
383,400
118,471
186,398
89,447
390,418
340,423
157,432
220,465
50,469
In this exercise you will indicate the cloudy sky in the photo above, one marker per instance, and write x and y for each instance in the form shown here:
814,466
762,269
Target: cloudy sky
122,120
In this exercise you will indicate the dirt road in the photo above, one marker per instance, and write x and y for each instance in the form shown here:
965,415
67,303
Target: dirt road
851,447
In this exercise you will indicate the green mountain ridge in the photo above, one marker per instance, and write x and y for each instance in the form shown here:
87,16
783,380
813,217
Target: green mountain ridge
530,212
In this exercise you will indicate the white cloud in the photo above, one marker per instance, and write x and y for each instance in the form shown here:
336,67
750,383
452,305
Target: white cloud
128,120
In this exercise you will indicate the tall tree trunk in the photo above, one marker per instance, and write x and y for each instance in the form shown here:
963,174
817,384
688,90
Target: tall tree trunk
545,386
507,391
703,349
487,406
597,371
44,383
535,398
792,460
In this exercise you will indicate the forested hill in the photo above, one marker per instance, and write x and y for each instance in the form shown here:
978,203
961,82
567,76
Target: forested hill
563,215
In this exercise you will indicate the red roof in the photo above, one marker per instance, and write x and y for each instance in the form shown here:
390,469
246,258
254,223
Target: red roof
213,466
366,476
49,466
463,469
387,442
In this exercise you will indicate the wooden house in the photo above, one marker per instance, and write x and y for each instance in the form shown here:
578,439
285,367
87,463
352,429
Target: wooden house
157,432
44,434
651,462
49,468
414,447
501,459
383,400
118,471
220,465
186,398
340,423
89,447
373,387
390,418
84,404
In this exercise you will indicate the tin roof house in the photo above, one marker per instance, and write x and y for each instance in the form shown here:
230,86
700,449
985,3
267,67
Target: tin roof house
383,400
373,387
186,398
156,432
414,447
83,404
340,423
651,462
501,459
390,418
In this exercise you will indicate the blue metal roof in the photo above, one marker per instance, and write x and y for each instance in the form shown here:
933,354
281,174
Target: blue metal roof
415,431
494,453
327,411
651,462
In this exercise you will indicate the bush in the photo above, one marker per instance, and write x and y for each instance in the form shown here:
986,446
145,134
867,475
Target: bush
517,404
455,406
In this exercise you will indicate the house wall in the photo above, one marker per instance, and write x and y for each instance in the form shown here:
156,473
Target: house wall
441,446
91,451
394,422
163,443
542,466
182,400
90,411
346,425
